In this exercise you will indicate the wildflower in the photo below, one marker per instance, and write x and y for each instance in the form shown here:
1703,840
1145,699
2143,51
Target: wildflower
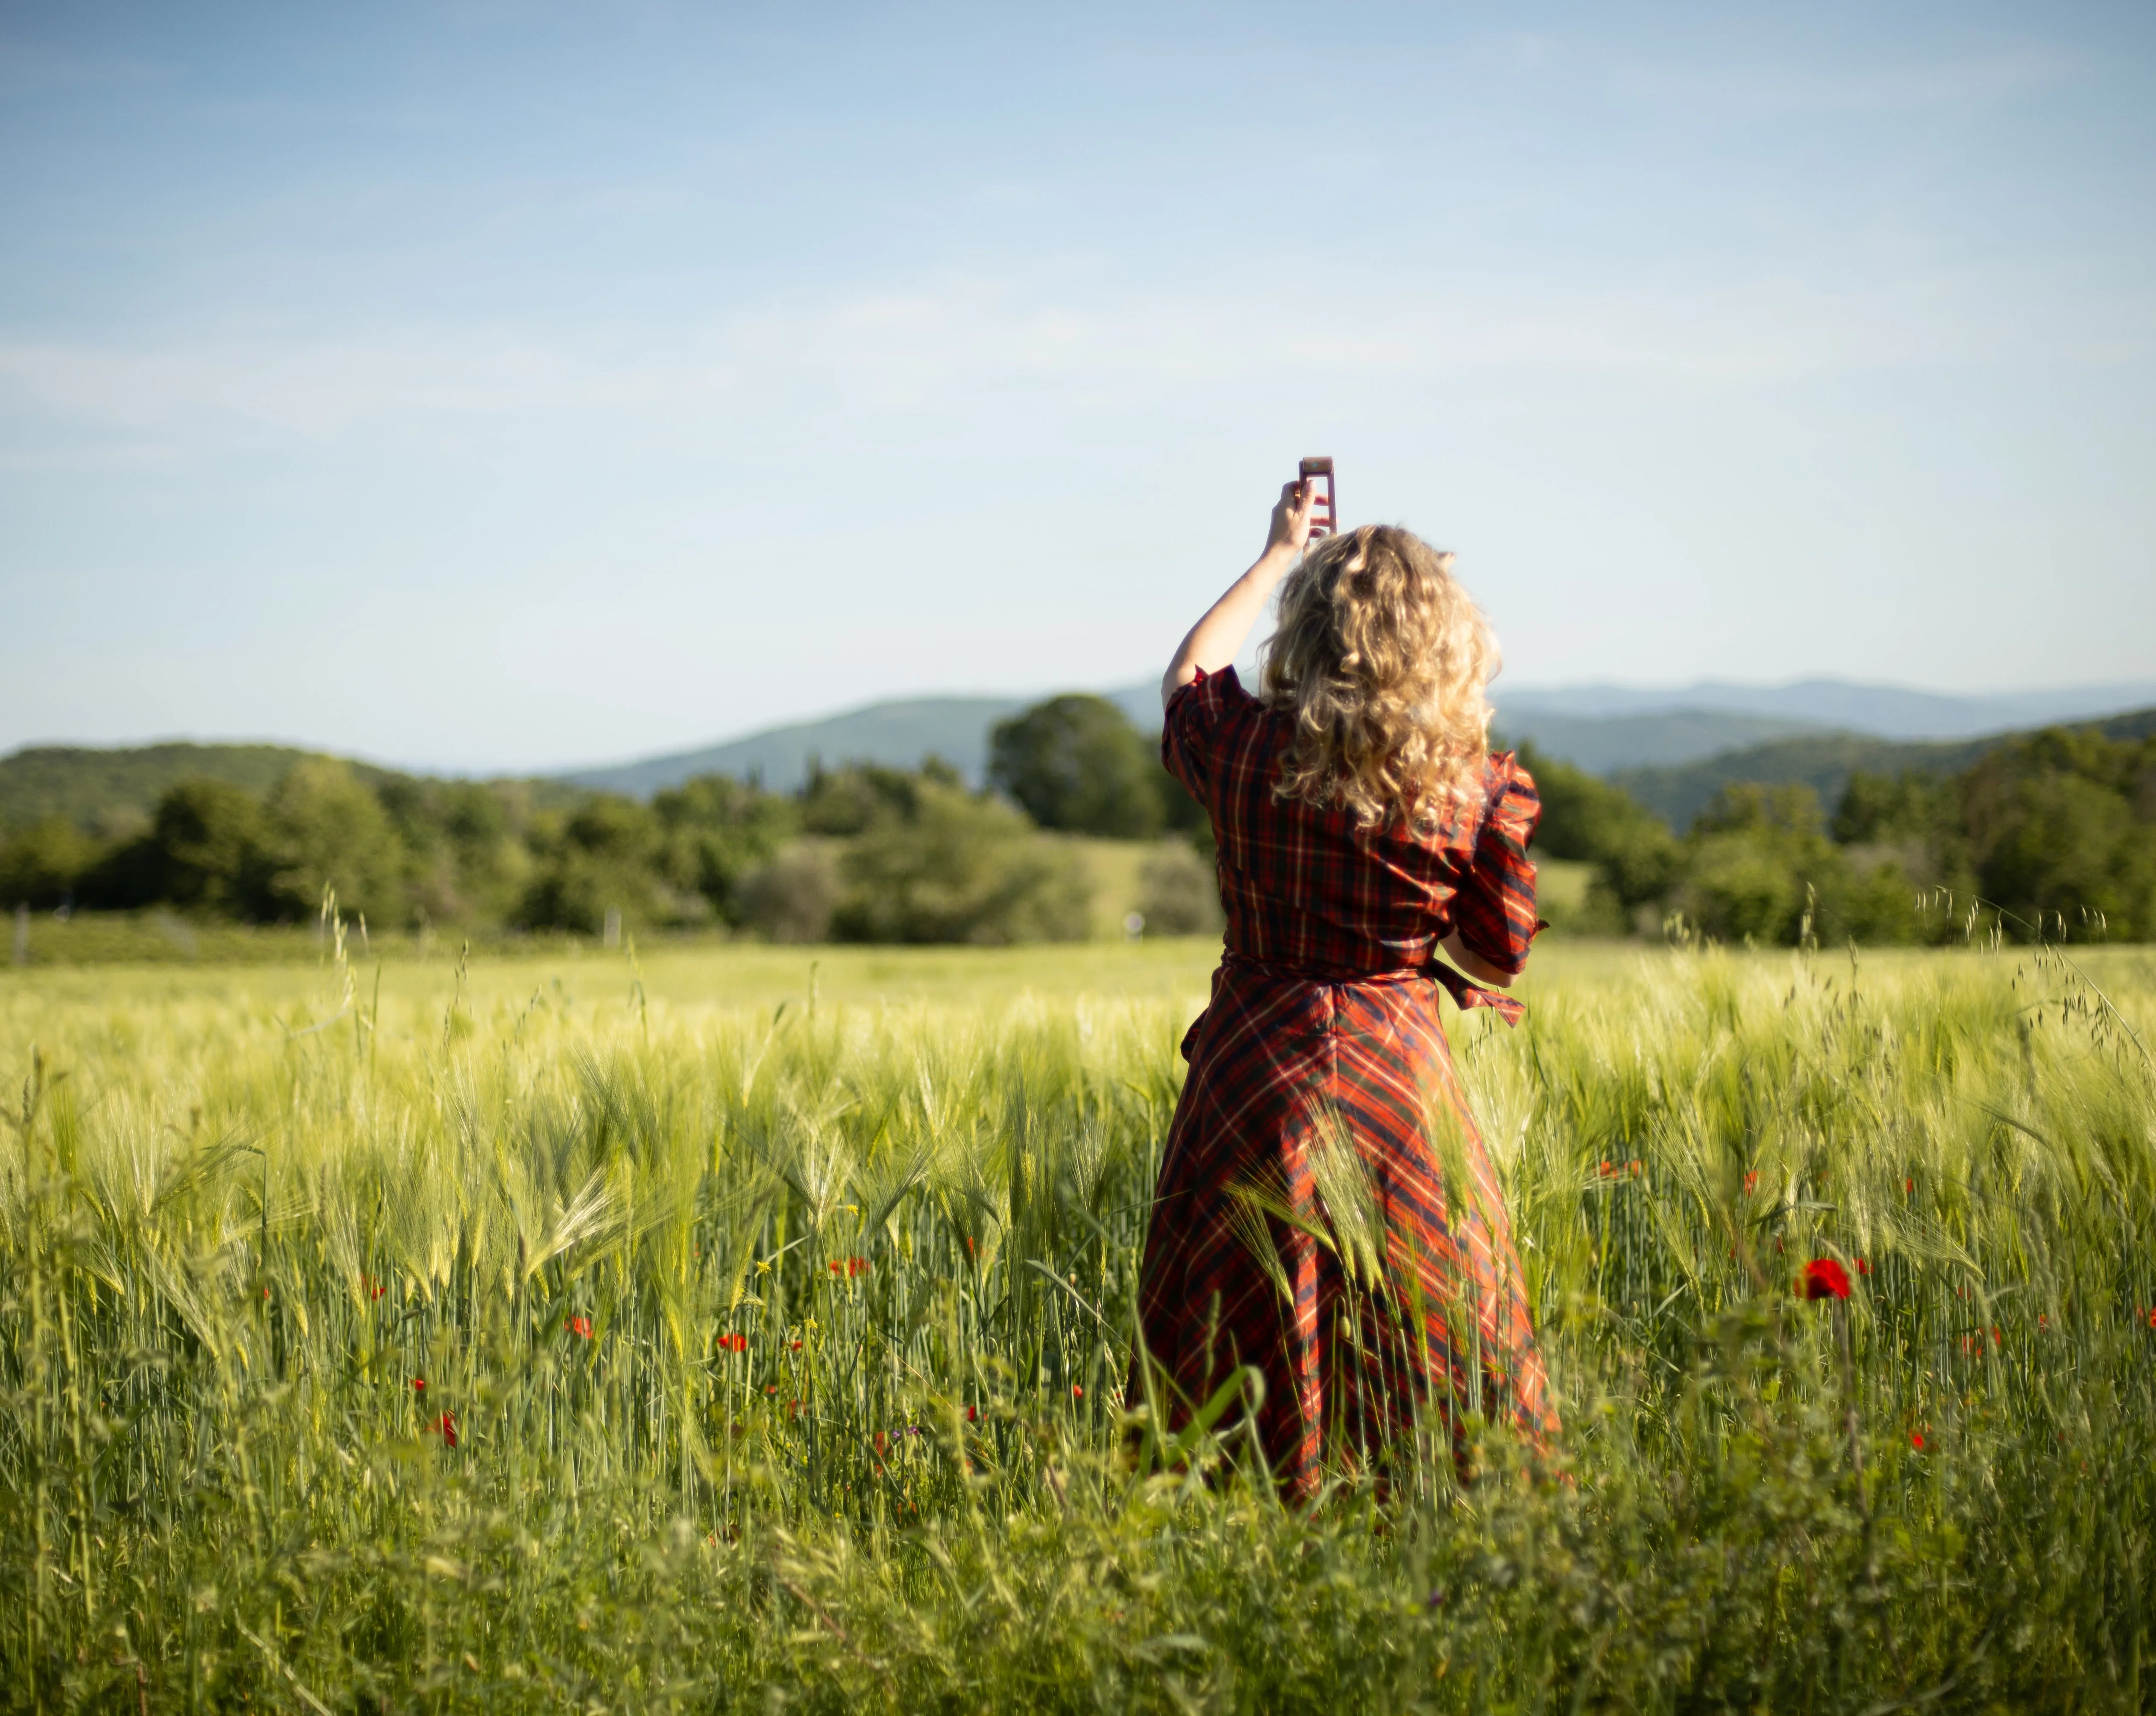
1751,1182
1994,1336
2151,1317
882,1442
265,1293
856,1266
969,1245
1863,1267
794,1346
445,1426
1633,1167
771,1388
375,1289
418,1384
972,1415
1909,1187
1917,1439
733,1344
579,1325
1077,1392
1607,1170
2043,1321
1826,1279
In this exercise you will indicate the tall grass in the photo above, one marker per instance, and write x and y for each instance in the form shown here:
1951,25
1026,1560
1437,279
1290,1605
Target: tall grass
774,1356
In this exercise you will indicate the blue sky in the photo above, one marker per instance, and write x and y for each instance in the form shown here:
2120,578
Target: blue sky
506,387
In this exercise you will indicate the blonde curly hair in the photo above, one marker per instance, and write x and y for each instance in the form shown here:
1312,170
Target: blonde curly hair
1382,658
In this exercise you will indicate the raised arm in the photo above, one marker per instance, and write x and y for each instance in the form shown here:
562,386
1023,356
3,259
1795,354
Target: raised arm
1211,644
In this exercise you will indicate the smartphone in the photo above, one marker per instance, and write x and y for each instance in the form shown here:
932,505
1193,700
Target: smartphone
1329,521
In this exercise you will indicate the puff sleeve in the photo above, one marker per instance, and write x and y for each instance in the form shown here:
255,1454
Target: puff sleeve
1494,909
1193,726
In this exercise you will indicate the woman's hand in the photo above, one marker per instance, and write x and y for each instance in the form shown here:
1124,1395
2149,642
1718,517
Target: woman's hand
1213,642
1294,517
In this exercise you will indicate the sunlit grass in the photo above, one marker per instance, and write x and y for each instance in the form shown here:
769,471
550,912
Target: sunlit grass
772,1307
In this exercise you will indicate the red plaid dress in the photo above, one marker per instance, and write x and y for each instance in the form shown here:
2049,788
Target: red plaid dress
1327,1212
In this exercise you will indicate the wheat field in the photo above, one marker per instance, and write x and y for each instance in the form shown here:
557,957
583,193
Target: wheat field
746,1327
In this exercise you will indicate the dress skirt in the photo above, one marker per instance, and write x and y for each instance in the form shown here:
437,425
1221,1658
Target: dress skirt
1327,1213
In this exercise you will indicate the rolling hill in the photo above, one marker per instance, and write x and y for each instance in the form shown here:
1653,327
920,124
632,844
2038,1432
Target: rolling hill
106,791
1885,711
94,788
1824,762
900,733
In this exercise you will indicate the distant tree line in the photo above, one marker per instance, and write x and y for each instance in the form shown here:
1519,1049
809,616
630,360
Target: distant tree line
859,852
2057,829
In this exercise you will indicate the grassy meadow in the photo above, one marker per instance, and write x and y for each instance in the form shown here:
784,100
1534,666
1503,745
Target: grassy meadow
739,1327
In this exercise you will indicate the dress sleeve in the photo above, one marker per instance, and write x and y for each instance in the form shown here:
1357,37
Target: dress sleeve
1494,909
1191,732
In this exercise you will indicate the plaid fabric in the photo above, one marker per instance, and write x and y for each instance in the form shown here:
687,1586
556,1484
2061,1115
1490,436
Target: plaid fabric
1305,888
1327,1212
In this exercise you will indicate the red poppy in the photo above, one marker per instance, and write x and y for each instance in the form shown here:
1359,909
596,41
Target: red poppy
972,1415
265,1293
733,1344
445,1426
1635,1166
882,1442
771,1388
856,1266
794,1346
1607,1170
1826,1279
969,1245
579,1325
1909,1186
1751,1182
2042,1320
2151,1317
1863,1267
418,1384
375,1289
1917,1439
1077,1392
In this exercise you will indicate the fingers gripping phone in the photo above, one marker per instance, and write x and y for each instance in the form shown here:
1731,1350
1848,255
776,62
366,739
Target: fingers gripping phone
1329,521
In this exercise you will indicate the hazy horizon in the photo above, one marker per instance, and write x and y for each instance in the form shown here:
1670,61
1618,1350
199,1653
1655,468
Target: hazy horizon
522,388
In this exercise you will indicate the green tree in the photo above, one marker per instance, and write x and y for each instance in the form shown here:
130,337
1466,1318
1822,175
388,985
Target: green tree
1075,763
602,857
849,800
713,831
41,866
326,829
2061,830
208,850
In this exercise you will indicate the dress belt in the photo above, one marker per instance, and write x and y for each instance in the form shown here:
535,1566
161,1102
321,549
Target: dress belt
1465,995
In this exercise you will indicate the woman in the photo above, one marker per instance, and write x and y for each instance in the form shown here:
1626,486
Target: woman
1327,1213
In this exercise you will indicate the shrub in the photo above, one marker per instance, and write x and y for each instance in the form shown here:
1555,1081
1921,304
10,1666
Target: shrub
961,868
791,898
1179,893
